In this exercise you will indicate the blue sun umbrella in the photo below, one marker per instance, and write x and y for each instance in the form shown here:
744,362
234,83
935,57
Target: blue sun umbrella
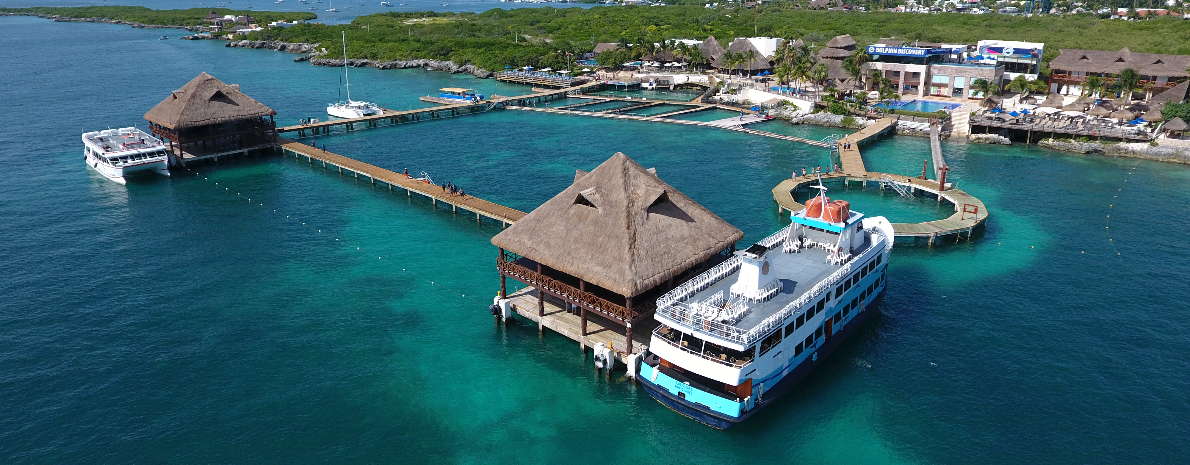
755,108
1014,114
997,110
1024,111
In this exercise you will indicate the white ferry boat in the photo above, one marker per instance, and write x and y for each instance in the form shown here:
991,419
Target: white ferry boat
115,153
734,338
350,108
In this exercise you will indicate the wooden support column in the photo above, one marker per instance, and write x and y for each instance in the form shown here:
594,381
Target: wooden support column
503,280
628,332
582,286
540,297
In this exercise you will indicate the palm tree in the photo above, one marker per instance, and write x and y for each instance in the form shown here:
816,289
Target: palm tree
1129,80
818,74
783,72
1019,84
852,68
1092,85
984,87
1038,86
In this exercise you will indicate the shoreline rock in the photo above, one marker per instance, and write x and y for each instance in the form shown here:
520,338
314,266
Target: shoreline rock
994,139
829,120
276,46
432,65
1143,150
64,19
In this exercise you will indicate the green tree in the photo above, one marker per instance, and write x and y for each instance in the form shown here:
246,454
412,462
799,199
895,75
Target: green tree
1092,85
1128,82
819,73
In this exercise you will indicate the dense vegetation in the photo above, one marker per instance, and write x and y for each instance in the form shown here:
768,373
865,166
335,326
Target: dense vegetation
140,14
1176,110
543,36
533,36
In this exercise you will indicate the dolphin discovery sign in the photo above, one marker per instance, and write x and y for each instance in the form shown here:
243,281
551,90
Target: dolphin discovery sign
906,51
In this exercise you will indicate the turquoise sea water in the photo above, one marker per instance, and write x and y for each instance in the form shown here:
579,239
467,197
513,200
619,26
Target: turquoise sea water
174,320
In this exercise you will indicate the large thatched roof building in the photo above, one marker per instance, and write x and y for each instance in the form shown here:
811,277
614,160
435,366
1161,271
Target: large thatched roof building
741,46
711,49
209,118
613,241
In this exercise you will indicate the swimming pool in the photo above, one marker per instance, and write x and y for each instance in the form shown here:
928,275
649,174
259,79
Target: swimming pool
918,105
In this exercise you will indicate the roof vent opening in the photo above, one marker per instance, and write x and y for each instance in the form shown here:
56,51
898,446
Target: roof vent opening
1084,58
1158,62
1120,60
587,197
660,200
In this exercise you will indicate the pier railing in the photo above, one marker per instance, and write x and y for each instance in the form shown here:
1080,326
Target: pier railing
570,292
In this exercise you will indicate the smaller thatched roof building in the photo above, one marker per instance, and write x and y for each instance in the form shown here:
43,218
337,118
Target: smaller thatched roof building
742,45
203,101
1099,111
1175,94
1153,116
844,42
1053,100
605,46
833,53
1175,125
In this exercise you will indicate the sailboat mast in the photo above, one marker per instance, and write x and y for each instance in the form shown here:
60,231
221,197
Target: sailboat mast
345,79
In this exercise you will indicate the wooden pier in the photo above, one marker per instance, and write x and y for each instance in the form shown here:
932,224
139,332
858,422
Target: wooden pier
481,208
519,78
432,113
569,324
721,124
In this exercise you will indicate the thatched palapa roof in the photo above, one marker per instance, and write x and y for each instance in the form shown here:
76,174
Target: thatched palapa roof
1153,116
1174,94
1053,100
844,42
1112,62
711,49
743,45
206,100
619,227
833,53
1123,115
1175,124
1099,111
604,47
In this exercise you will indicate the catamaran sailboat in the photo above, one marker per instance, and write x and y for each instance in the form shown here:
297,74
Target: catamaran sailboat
117,152
351,108
332,9
734,338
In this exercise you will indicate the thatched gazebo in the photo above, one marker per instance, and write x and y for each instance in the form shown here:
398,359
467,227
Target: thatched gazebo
1053,100
1123,115
1153,116
990,102
207,118
1075,107
1029,99
613,242
1175,125
1099,111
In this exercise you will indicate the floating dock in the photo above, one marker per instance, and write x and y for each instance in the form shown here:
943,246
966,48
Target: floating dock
970,213
481,208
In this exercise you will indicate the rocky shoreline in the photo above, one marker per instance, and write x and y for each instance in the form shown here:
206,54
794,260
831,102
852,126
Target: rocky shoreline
64,19
1143,150
311,52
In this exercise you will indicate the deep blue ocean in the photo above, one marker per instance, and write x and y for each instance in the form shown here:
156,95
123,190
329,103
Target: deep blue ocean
173,320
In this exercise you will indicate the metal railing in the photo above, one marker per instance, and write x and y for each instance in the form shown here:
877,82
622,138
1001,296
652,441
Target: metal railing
888,181
698,324
657,332
716,273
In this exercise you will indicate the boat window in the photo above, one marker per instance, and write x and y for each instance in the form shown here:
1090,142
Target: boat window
863,272
818,333
809,341
797,350
770,342
846,310
821,304
837,317
809,313
847,285
878,257
729,355
839,292
801,320
789,328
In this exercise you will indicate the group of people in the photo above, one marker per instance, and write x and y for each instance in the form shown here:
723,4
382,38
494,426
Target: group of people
453,190
818,170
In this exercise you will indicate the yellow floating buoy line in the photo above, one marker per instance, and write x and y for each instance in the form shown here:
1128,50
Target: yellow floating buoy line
340,241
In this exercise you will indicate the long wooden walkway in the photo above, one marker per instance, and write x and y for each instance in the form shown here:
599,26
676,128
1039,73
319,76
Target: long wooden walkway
849,155
709,124
397,117
936,151
481,208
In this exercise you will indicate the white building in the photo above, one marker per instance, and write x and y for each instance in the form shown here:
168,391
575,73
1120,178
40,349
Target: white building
767,46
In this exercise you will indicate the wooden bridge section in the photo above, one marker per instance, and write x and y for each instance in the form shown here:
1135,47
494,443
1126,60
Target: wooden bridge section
481,208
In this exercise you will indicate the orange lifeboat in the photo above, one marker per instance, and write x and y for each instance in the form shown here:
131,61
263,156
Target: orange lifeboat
837,211
814,206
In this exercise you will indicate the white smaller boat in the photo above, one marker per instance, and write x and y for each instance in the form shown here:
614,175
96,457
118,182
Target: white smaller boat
351,108
386,4
115,153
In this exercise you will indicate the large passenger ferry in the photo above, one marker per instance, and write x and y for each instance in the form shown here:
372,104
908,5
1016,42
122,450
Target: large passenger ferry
734,338
115,153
